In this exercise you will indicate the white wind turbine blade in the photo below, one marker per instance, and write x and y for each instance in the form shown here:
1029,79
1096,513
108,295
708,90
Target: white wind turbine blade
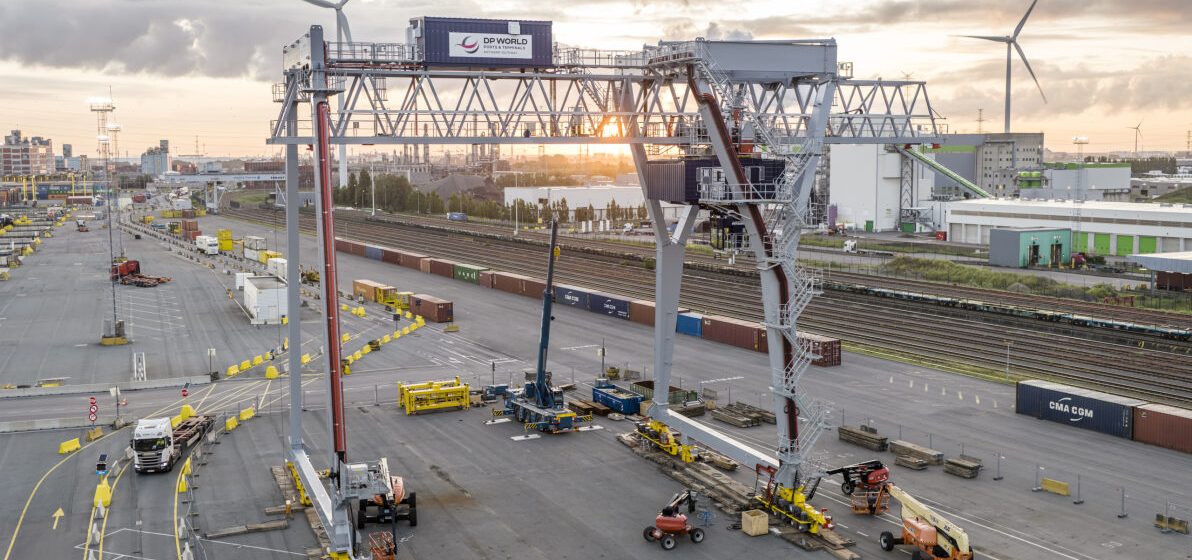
1022,55
1022,22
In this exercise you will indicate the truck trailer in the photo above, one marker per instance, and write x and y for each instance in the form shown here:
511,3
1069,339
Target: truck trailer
157,443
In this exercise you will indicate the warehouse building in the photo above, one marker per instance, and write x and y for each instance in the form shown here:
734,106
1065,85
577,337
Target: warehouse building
865,185
26,156
1027,247
1100,228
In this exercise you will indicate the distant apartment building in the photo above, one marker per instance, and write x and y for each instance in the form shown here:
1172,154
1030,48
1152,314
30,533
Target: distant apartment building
26,156
156,161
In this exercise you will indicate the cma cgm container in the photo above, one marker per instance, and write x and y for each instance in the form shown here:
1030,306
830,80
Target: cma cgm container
1083,408
481,43
608,304
432,308
690,324
570,295
1165,426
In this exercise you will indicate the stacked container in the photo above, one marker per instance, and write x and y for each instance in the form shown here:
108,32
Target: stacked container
1075,406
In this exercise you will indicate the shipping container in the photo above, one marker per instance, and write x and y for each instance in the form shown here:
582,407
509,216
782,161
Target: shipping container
486,278
690,324
1075,406
735,332
608,304
533,287
258,243
411,260
424,264
468,272
571,295
372,252
457,216
1165,426
390,256
481,43
641,311
433,309
616,398
371,291
645,388
442,267
825,348
508,282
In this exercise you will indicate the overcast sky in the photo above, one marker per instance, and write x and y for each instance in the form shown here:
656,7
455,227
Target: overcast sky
184,68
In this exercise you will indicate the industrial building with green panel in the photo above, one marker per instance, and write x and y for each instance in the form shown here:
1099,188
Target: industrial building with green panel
1098,228
1026,247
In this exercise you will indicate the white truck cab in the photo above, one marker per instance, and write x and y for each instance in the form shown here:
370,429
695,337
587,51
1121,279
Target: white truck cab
207,244
153,445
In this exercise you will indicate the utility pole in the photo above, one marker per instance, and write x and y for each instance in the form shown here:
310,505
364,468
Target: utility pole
980,121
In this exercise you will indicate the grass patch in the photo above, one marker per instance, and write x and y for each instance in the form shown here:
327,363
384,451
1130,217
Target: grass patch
1182,196
252,197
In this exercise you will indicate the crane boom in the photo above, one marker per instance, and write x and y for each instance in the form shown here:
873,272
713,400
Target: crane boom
955,541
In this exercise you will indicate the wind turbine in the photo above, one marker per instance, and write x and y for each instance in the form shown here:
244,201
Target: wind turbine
342,33
1011,41
1137,135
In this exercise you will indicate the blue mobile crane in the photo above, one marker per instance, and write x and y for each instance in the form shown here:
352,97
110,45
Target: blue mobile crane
539,404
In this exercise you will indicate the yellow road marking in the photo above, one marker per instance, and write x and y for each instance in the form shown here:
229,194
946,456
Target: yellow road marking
57,517
205,395
103,530
177,542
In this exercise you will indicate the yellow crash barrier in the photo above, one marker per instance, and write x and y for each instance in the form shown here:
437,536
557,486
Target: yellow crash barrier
271,372
245,365
231,423
285,320
232,370
285,344
409,315
257,360
186,412
405,330
386,339
1055,487
103,494
69,446
305,359
366,349
248,413
343,307
182,486
175,420
346,337
356,355
95,433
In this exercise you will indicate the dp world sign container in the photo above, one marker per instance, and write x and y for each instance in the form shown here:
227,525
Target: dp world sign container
482,43
1082,408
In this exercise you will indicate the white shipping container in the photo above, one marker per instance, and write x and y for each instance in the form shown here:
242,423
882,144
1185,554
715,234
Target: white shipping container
207,244
255,243
241,277
265,299
276,267
251,254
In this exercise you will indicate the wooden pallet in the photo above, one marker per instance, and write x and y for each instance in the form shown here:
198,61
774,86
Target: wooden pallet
963,466
864,438
913,463
734,419
928,455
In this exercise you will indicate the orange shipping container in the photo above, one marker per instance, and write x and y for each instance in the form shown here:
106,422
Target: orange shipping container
424,265
1165,426
432,308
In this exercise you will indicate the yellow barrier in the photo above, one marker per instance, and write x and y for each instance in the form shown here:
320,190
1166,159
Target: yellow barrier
386,339
103,494
396,335
343,307
232,371
182,486
271,372
230,424
186,467
285,320
1055,487
285,344
415,327
356,355
305,359
405,330
68,446
346,337
257,360
409,315
245,365
248,413
95,433
187,411
175,420
366,349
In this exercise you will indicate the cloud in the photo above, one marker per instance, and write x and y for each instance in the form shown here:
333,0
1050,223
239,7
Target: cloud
1168,16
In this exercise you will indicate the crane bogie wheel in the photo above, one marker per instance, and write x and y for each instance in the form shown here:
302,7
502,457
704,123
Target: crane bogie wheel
648,534
697,535
886,540
668,542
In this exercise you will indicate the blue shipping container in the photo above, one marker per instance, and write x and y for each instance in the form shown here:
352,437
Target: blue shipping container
570,295
1083,408
372,252
608,305
690,324
619,400
483,43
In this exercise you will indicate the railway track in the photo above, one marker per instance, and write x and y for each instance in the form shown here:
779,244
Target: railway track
1161,373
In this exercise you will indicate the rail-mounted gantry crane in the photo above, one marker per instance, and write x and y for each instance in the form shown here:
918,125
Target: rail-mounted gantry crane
731,102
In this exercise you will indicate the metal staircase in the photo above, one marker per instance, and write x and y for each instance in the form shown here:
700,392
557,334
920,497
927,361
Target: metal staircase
784,215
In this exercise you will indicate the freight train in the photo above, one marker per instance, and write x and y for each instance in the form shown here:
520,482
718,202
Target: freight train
1172,333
